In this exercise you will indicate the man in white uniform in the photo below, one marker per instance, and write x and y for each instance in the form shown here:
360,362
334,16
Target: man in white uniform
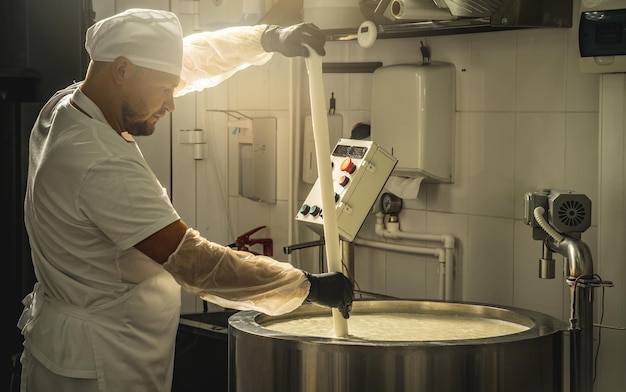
110,252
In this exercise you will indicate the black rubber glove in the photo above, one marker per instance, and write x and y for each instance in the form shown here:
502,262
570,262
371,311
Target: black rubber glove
289,41
331,289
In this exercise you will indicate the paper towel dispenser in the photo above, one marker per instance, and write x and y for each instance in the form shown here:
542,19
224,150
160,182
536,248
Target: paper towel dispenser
413,117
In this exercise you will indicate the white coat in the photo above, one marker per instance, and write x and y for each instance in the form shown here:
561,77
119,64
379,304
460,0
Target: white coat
102,310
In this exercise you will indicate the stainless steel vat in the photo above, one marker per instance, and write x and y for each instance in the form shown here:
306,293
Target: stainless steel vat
262,359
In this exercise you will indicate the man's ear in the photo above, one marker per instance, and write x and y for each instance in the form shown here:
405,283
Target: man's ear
120,68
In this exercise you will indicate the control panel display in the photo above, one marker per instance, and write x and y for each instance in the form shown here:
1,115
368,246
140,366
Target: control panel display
360,170
342,150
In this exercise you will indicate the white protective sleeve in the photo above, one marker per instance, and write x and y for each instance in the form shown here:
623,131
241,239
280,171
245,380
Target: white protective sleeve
210,57
236,279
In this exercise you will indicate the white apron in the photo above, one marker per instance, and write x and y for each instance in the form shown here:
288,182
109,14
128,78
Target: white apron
127,344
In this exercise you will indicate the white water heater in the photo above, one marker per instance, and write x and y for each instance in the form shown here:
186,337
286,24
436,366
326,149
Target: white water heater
413,117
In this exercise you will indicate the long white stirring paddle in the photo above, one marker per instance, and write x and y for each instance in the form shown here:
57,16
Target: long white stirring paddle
320,134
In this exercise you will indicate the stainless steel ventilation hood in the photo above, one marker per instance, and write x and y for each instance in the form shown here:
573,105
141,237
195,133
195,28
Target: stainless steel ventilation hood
401,18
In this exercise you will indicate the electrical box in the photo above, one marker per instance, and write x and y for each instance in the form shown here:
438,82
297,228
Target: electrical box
601,37
360,169
256,140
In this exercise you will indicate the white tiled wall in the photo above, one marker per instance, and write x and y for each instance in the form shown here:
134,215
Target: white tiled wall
514,134
526,119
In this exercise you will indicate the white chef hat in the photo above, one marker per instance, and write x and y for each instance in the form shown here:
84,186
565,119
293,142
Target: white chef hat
148,38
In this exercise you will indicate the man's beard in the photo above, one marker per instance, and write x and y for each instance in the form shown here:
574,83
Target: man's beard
135,128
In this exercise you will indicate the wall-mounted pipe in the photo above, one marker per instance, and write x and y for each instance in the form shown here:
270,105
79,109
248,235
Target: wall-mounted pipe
392,230
444,254
580,278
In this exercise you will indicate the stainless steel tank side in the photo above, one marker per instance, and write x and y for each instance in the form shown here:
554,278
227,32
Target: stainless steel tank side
262,359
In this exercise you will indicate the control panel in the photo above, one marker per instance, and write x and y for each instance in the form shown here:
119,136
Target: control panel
360,169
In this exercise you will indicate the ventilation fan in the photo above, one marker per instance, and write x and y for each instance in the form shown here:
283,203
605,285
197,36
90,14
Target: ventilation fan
569,212
572,213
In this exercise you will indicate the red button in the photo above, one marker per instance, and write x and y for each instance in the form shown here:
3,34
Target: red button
348,166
